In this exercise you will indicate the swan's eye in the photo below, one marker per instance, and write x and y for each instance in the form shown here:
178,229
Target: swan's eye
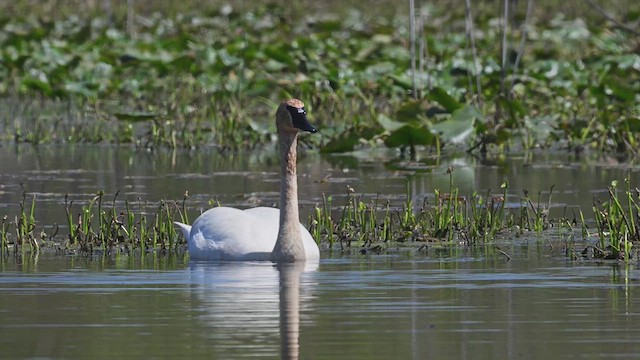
299,119
296,112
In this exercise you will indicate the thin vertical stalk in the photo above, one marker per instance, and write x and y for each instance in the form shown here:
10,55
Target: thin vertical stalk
472,39
412,40
504,23
523,39
420,55
130,18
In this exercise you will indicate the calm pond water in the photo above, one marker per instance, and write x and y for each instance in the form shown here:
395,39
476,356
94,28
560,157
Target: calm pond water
249,179
445,304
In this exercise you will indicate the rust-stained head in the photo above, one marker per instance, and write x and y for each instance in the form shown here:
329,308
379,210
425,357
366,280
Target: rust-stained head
291,117
294,103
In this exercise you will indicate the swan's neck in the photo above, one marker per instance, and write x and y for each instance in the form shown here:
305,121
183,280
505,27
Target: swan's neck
290,309
289,244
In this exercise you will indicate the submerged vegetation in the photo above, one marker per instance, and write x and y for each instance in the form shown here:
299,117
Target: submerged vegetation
192,76
446,219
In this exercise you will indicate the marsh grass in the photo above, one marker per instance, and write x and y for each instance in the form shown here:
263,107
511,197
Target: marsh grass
109,226
451,219
108,229
617,222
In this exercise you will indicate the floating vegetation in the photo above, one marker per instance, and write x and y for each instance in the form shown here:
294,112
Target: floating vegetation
211,77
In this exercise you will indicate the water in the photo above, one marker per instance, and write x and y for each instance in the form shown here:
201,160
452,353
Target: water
248,179
471,306
466,303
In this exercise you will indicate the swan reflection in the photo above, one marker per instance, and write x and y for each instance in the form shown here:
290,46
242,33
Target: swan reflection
251,307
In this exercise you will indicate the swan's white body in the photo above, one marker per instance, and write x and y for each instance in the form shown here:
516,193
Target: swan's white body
261,233
225,233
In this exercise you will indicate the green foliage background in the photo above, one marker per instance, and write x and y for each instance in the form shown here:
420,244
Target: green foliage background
192,73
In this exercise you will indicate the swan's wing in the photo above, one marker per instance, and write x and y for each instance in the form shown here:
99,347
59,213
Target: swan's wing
268,221
225,233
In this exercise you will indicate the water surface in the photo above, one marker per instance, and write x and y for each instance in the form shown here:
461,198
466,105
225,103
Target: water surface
406,305
460,303
248,179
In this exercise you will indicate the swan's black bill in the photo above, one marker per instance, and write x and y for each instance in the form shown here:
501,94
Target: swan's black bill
299,118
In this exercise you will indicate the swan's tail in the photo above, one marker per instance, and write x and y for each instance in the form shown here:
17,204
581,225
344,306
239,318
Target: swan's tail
186,229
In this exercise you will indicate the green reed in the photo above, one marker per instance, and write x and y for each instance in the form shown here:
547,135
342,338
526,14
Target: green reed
24,224
446,217
618,225
451,219
129,228
4,242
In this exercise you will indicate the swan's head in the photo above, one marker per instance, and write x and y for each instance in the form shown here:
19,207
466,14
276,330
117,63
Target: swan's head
292,117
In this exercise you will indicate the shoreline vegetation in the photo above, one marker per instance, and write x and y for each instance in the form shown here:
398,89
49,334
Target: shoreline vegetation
439,75
484,78
107,226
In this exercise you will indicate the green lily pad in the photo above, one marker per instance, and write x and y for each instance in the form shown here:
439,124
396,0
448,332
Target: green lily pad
440,96
38,84
542,126
410,110
347,140
410,135
459,125
388,124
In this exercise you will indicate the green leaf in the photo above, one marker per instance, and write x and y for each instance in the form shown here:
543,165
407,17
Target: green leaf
542,126
388,124
440,96
279,54
619,90
409,135
459,125
634,124
81,88
344,142
38,84
409,111
402,81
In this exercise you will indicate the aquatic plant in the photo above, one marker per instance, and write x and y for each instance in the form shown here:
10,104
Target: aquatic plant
617,222
24,225
4,243
446,218
109,230
451,219
203,78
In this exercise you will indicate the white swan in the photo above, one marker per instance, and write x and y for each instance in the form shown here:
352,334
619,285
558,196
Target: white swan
260,233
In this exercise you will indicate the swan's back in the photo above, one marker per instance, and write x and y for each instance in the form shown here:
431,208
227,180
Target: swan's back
224,233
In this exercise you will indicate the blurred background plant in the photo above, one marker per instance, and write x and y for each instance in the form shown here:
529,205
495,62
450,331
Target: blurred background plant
486,76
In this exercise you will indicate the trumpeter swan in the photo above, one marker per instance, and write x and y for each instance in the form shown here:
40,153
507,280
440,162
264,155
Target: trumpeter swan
260,233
